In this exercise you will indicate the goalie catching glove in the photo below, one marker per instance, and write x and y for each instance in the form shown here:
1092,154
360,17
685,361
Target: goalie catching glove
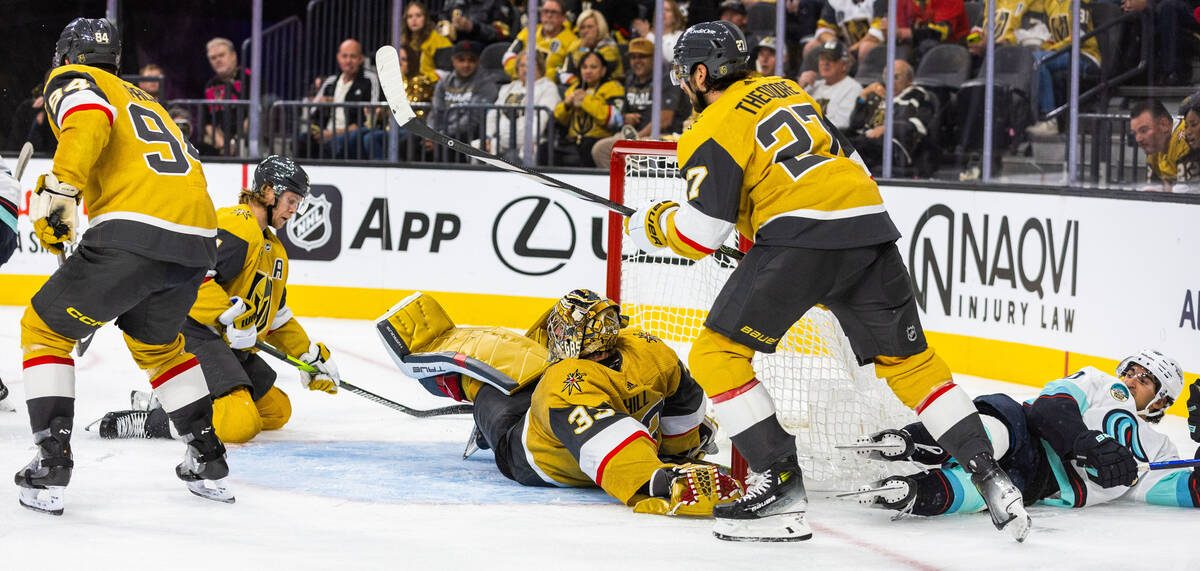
239,319
646,226
53,208
690,489
326,378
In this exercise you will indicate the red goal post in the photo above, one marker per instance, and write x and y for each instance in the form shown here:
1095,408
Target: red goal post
821,394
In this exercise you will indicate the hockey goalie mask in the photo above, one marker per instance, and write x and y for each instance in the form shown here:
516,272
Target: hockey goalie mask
582,323
1168,378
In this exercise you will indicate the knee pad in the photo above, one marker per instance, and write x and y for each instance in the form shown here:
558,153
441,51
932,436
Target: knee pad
719,363
912,378
37,339
156,359
274,408
236,418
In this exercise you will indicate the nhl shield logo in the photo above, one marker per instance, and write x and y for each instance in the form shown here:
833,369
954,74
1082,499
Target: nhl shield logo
312,228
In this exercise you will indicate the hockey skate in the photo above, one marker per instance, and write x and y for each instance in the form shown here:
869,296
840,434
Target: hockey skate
772,509
1004,500
42,481
143,400
5,404
204,468
122,424
891,493
892,445
475,442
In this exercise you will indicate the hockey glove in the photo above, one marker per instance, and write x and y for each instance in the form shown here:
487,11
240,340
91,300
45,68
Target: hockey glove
708,440
1193,406
1105,460
238,320
690,489
326,378
645,227
53,210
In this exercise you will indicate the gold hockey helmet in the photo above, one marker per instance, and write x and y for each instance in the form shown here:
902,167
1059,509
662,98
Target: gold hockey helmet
582,322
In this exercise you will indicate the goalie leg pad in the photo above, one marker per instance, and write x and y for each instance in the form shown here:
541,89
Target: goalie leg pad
411,325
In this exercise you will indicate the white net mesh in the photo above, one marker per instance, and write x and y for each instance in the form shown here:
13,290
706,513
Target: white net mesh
821,394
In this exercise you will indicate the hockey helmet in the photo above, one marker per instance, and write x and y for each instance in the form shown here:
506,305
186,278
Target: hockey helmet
282,174
88,41
582,322
1168,376
719,45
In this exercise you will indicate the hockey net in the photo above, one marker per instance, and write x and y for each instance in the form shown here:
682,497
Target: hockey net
821,394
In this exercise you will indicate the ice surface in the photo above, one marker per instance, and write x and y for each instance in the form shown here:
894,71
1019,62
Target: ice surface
350,484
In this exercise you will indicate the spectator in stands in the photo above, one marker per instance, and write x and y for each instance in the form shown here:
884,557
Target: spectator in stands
673,27
920,25
506,129
553,37
1058,20
590,110
346,132
482,21
151,87
639,102
417,85
465,87
229,82
1169,159
845,20
764,56
29,124
913,110
183,119
835,91
1174,41
592,29
734,12
419,33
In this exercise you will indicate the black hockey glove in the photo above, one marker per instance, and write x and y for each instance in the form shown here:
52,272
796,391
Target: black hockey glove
1193,405
1109,463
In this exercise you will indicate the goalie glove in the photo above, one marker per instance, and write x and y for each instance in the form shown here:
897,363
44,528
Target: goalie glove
238,320
708,440
1107,462
690,489
53,208
326,378
645,227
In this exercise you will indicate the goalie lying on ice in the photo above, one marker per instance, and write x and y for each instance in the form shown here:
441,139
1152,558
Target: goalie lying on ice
576,401
1076,444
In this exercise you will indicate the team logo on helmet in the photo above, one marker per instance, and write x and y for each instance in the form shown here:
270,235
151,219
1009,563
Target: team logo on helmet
312,228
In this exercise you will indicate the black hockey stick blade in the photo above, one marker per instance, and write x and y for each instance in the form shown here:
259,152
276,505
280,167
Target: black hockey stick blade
453,409
391,79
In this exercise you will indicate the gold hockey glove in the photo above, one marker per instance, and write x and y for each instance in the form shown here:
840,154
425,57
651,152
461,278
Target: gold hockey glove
239,320
690,489
326,378
54,211
645,227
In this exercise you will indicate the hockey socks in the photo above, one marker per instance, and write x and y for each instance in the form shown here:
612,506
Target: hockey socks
953,421
748,413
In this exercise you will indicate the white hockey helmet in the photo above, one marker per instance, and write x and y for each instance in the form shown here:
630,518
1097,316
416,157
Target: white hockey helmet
1166,371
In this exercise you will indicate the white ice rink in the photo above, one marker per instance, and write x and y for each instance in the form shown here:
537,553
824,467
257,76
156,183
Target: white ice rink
350,484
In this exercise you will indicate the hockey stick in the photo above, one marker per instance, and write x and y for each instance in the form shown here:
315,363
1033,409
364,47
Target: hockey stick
23,161
1169,464
391,79
453,409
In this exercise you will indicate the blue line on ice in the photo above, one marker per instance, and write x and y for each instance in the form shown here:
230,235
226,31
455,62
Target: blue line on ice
400,472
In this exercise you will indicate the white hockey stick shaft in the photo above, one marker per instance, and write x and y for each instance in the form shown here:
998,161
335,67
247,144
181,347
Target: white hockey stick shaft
391,79
23,159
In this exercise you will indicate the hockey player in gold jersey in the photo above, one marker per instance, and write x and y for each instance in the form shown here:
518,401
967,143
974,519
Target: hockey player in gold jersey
148,245
762,158
242,301
613,408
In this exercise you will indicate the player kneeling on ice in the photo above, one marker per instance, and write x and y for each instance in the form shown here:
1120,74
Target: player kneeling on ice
577,401
1077,444
243,301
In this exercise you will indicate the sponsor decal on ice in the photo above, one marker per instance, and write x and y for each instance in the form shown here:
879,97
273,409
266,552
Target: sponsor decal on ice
994,269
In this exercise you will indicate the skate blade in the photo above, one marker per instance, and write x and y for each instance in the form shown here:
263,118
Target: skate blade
48,500
1018,524
215,490
872,446
6,406
894,487
782,527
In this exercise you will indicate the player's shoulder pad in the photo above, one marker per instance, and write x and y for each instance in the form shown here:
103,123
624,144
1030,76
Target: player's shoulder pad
239,220
77,85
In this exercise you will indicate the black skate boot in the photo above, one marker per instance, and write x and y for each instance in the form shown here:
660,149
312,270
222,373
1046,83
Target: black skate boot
204,468
133,424
43,480
891,493
1004,500
772,509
